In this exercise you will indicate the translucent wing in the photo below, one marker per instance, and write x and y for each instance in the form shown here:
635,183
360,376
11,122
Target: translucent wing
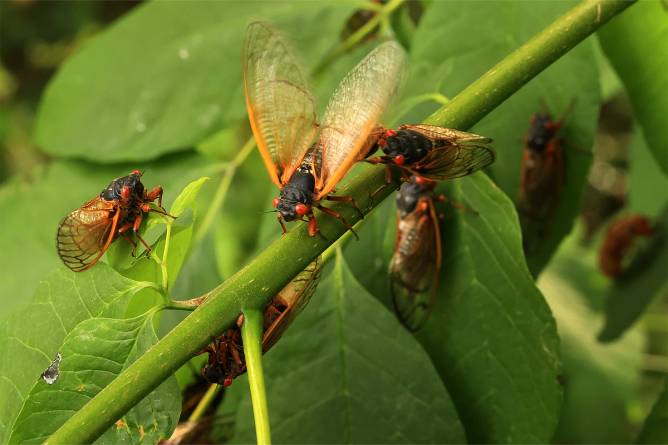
455,153
84,234
293,297
415,266
354,110
280,105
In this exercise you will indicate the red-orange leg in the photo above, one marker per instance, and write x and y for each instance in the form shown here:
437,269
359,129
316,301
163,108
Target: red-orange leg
336,215
347,199
155,193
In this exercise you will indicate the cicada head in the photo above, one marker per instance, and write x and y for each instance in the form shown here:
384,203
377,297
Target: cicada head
296,196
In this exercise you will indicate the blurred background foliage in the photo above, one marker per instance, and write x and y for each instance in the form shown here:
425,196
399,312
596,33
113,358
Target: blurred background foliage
68,125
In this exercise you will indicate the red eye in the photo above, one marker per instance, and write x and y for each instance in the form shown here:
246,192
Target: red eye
227,382
423,206
136,172
302,209
275,202
390,133
399,159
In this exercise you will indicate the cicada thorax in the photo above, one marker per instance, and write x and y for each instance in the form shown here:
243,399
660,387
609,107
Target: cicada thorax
296,197
619,242
405,147
226,357
416,260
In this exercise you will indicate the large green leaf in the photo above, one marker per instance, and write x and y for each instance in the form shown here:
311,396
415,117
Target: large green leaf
34,210
110,102
347,373
491,334
447,55
93,354
31,338
655,429
636,44
600,380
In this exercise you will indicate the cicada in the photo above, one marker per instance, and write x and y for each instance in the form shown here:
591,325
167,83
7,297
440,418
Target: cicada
86,233
416,262
432,152
226,355
282,114
542,171
619,241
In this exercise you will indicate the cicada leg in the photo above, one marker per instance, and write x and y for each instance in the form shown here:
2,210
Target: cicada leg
333,214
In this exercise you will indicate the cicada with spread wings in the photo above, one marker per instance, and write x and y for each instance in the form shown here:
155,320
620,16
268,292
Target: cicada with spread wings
306,158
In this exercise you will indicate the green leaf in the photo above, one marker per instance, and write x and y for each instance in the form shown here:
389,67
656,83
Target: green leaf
34,210
645,179
186,200
442,61
491,334
655,429
636,44
187,90
600,380
32,336
93,354
346,372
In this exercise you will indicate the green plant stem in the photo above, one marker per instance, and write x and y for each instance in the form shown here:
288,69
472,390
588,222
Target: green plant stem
204,403
509,75
223,187
258,282
251,334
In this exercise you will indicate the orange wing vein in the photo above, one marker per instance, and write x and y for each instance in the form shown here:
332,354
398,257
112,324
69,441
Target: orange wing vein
280,105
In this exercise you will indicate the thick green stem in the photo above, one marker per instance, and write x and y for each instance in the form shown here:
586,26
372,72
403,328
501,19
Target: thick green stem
257,283
251,334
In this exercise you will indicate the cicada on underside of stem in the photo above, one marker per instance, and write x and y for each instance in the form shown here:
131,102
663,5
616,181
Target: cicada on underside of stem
226,355
86,233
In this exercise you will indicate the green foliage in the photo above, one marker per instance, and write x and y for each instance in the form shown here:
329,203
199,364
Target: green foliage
655,429
94,353
161,88
139,108
347,373
444,62
637,45
61,303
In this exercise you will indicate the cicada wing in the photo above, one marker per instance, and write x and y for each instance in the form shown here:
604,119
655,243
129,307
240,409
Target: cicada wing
415,267
85,234
456,153
354,111
294,297
280,105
